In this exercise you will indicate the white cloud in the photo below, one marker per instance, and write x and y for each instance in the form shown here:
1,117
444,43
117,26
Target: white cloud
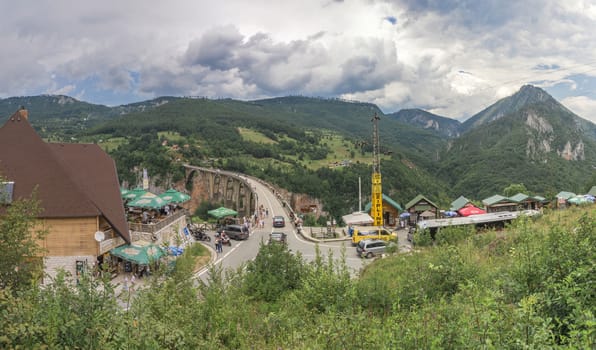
582,106
450,57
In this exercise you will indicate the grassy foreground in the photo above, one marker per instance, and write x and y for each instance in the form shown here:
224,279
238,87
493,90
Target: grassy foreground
530,286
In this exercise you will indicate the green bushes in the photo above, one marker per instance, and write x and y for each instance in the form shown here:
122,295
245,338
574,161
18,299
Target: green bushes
530,286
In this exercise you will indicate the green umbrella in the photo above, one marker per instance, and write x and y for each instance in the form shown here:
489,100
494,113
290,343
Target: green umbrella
139,254
173,196
148,200
578,200
222,212
133,194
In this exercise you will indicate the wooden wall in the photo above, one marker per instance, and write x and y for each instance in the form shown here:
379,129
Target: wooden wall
70,236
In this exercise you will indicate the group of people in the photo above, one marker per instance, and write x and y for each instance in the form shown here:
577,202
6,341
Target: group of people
219,241
260,214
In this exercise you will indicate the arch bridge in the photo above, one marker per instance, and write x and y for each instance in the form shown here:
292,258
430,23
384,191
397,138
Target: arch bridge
230,189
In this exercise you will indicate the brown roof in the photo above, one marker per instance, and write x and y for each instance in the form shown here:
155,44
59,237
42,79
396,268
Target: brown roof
71,180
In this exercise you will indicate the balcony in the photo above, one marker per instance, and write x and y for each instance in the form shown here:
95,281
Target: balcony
158,223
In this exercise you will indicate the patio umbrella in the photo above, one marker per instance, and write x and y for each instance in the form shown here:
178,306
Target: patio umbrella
173,196
123,192
148,201
577,200
470,210
222,212
138,254
133,194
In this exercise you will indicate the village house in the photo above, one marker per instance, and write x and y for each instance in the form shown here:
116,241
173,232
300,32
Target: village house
391,210
79,193
421,208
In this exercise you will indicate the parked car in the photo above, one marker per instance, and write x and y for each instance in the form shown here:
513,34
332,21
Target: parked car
279,221
278,238
368,248
372,232
237,232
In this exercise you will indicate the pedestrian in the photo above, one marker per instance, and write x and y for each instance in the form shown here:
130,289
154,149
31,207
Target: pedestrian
132,283
218,247
125,284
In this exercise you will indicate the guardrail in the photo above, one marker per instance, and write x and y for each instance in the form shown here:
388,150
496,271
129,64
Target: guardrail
155,227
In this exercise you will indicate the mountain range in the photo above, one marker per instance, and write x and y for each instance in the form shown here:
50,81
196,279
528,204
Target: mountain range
527,138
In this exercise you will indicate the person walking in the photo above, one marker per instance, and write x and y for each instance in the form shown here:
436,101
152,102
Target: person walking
125,285
132,283
218,247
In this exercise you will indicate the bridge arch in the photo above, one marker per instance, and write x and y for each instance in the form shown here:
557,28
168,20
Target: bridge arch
215,185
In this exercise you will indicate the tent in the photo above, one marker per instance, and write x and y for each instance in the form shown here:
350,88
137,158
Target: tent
222,212
470,210
138,254
358,218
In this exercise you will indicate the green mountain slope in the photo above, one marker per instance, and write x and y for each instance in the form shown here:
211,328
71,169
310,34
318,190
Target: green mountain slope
296,126
526,138
52,106
527,95
539,145
444,127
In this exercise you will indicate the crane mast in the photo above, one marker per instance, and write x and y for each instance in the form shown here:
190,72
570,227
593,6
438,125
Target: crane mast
376,211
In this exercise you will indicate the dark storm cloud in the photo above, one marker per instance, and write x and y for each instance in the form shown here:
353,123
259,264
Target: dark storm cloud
293,67
215,49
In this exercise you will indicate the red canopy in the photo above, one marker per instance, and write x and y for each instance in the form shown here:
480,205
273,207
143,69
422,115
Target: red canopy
470,210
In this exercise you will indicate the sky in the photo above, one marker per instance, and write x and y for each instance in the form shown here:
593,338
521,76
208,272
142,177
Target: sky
449,57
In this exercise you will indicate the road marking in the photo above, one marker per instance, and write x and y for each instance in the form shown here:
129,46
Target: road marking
218,260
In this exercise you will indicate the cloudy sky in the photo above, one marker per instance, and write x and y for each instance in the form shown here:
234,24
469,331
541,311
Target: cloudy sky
450,57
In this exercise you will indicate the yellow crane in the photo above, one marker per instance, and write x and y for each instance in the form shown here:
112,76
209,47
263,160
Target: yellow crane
376,210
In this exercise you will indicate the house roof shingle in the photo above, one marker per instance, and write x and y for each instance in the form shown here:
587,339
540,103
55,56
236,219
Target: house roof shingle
387,199
70,180
417,199
459,203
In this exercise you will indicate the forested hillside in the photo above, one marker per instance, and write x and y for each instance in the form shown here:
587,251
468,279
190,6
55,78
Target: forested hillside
295,151
541,144
297,143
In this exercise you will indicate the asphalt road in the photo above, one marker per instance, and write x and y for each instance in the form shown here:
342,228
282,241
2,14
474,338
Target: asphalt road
242,251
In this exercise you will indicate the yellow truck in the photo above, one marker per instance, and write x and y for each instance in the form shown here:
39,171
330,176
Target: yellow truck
372,232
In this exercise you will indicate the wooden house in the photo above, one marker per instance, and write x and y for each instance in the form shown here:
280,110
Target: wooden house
421,205
498,203
459,203
526,202
77,186
391,210
562,197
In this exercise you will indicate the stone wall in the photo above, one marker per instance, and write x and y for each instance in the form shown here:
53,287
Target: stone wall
53,264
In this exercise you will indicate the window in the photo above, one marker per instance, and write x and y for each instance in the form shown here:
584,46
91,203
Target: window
6,189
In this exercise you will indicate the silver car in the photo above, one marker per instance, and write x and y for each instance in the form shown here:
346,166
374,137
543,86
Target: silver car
368,248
